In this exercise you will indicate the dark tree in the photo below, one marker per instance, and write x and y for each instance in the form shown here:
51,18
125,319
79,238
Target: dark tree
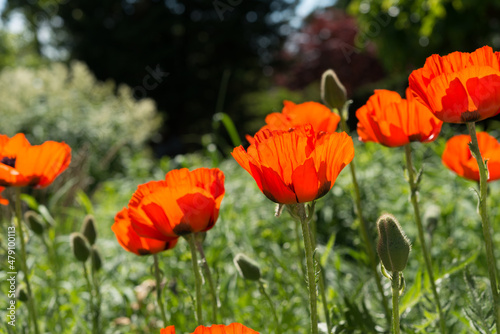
173,51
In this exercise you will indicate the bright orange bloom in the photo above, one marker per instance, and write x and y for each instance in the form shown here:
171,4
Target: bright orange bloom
3,201
234,328
185,202
293,115
389,120
460,87
295,166
132,242
22,164
458,158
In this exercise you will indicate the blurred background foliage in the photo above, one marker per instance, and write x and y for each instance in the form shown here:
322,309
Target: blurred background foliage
196,58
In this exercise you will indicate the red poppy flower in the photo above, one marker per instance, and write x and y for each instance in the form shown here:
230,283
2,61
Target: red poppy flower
22,164
234,328
458,158
460,87
389,120
132,242
295,166
293,115
185,202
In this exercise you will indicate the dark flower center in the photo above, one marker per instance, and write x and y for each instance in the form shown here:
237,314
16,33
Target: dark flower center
9,161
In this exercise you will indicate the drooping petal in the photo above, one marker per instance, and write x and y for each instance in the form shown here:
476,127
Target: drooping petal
457,156
132,242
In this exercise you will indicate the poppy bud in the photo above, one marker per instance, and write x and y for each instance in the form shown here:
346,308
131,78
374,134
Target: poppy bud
34,222
89,229
79,246
248,268
95,257
333,91
393,245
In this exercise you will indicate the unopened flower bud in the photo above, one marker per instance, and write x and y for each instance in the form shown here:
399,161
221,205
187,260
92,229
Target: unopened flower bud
79,246
333,91
393,245
95,257
248,268
89,229
34,221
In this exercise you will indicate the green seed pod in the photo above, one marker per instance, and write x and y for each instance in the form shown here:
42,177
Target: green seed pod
79,245
248,268
393,245
333,92
89,229
95,257
34,221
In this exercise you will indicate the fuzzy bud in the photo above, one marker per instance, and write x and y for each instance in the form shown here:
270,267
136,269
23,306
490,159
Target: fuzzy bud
393,245
89,229
34,221
248,268
95,257
333,92
79,246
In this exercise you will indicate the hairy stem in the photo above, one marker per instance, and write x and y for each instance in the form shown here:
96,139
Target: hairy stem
24,265
197,277
483,212
427,258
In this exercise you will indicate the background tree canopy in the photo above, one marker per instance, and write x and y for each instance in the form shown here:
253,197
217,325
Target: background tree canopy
196,58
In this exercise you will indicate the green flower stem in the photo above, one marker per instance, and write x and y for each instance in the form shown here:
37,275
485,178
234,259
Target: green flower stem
91,293
414,201
54,281
322,292
271,305
311,275
321,278
364,229
190,238
159,290
297,240
488,241
396,278
97,304
208,275
24,265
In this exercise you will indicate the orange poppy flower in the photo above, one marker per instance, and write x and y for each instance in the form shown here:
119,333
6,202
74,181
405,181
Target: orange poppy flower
389,120
293,115
460,87
3,201
132,242
22,164
185,202
234,328
295,166
458,158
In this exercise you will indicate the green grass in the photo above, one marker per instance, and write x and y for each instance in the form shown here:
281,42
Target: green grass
247,225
